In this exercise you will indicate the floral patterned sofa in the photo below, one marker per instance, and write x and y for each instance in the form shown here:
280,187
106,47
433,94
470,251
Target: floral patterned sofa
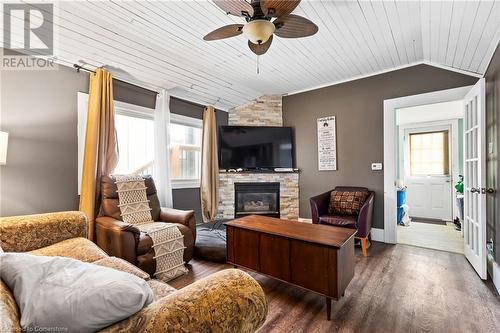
227,301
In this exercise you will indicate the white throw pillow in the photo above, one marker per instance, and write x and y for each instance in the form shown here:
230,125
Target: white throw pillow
65,294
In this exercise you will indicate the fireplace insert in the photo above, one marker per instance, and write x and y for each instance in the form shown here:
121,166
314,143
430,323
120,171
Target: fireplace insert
257,198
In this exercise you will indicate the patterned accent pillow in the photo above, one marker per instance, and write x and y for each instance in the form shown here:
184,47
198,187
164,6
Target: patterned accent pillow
347,203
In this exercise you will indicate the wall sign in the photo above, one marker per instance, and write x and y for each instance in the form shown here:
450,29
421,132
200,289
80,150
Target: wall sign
327,144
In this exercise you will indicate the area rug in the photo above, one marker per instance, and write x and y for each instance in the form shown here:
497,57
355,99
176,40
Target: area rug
429,221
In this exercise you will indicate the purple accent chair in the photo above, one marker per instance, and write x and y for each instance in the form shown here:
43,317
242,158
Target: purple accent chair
362,223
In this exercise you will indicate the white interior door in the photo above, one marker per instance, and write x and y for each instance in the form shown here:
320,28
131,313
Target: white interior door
475,179
427,172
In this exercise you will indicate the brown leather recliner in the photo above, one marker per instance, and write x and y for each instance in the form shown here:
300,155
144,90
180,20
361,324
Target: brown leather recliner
124,240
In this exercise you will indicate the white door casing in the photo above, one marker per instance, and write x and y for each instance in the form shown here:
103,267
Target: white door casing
475,178
390,134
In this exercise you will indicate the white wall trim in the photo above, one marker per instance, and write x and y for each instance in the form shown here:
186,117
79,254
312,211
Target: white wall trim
132,110
494,272
390,134
184,120
377,235
452,69
425,62
185,183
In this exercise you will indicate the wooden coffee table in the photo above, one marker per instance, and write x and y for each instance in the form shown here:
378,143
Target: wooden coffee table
315,257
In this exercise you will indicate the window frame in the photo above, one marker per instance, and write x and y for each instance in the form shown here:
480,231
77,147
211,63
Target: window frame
191,122
446,153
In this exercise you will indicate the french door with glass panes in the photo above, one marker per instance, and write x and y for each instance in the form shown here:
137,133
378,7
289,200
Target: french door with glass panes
475,178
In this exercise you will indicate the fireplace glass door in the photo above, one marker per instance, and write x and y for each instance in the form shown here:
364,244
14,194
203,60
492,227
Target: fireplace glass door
257,198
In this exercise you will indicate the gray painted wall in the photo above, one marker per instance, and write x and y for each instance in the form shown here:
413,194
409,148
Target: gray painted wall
358,106
39,109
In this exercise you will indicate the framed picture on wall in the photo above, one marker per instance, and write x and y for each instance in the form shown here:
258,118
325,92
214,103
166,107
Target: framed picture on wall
327,144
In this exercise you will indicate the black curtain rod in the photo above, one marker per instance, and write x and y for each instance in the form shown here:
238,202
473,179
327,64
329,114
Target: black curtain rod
79,68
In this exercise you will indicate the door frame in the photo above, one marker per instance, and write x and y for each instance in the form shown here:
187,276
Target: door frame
450,125
390,139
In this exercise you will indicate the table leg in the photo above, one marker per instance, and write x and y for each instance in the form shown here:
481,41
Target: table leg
328,308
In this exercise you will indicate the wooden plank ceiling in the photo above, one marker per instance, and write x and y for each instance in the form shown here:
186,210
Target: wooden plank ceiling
160,44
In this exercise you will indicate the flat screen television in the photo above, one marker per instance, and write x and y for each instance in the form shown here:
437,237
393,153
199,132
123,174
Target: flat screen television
255,147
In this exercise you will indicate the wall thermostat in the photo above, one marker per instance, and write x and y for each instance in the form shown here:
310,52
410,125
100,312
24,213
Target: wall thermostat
377,166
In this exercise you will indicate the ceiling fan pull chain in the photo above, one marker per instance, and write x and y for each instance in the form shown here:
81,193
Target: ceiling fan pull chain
258,69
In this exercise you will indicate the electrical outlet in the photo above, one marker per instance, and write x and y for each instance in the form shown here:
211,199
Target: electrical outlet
377,166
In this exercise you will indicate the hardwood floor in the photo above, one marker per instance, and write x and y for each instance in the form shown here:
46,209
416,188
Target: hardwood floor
397,288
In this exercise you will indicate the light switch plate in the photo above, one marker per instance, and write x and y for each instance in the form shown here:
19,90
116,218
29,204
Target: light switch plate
377,166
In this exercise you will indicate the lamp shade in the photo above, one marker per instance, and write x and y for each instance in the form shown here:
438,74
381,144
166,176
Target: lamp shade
4,139
258,31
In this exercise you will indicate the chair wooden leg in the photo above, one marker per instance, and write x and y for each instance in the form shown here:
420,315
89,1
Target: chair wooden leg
363,246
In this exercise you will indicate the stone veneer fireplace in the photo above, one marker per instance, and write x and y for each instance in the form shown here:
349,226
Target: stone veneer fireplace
263,111
288,188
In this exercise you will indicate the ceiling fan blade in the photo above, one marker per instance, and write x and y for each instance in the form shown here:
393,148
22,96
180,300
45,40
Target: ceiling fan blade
278,8
225,32
260,49
294,26
235,7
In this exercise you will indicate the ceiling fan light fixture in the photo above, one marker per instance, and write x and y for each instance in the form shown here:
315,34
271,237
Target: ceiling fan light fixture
258,31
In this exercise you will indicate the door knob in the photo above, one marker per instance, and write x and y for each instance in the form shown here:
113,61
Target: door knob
490,190
475,190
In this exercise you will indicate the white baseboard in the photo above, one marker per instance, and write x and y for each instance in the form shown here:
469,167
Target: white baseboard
378,235
494,272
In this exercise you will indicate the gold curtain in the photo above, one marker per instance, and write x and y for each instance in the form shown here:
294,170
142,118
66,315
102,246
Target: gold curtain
209,166
100,154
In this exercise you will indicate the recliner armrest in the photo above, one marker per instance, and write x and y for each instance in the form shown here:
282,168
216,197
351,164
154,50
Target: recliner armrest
111,223
176,215
117,238
185,217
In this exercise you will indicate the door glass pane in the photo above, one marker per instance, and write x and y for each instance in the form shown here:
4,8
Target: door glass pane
429,153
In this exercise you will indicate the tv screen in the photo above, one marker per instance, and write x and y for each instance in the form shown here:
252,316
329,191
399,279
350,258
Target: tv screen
255,147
